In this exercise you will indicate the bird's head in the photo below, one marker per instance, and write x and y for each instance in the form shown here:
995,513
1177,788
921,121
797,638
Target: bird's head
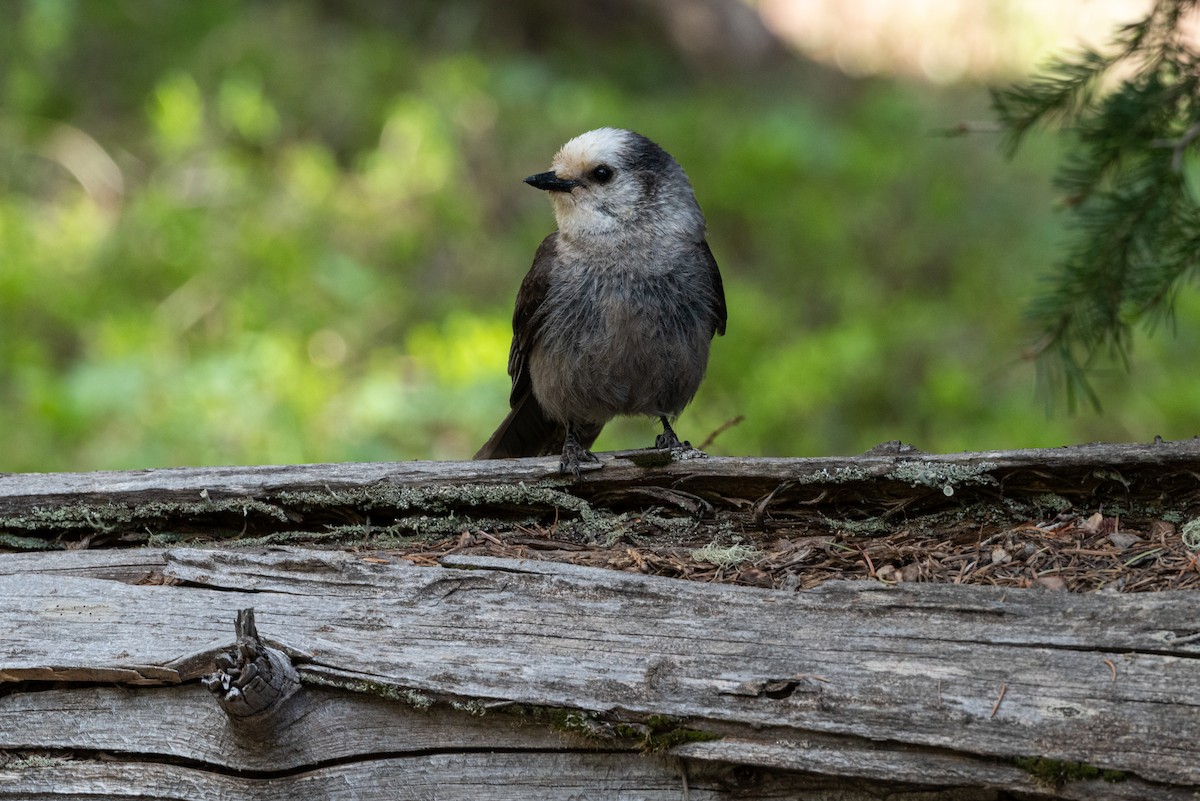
612,185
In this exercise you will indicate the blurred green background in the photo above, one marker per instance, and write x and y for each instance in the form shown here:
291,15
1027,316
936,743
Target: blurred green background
283,232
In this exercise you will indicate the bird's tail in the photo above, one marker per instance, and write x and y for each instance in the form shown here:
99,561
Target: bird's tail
528,431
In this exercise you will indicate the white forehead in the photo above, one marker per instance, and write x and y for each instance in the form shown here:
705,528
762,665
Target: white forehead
594,147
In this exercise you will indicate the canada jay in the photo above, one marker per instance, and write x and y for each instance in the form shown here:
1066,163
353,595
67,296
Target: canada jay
617,313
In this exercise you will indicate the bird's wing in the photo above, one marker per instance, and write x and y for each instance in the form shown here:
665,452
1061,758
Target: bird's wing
528,317
718,288
528,430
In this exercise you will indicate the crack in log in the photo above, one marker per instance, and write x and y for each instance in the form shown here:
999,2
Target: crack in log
134,675
1099,650
131,757
777,689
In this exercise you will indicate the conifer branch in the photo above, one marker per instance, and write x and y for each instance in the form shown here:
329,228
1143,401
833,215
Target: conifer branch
1134,219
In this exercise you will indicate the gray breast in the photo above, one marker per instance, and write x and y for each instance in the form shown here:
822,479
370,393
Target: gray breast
622,340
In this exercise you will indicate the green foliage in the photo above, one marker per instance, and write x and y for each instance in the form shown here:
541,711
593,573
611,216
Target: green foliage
1126,181
249,232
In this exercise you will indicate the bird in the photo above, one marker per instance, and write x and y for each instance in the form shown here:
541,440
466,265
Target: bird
617,314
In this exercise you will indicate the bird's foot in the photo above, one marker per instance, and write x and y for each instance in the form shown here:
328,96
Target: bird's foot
669,441
574,456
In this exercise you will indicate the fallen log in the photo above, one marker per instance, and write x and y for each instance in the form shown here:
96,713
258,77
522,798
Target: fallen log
539,679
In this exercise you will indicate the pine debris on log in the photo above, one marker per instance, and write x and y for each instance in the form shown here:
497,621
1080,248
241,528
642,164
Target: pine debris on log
1081,518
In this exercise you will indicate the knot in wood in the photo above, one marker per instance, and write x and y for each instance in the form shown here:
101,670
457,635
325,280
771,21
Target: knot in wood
252,679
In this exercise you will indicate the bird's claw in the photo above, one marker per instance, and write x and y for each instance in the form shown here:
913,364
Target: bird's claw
573,456
667,441
680,450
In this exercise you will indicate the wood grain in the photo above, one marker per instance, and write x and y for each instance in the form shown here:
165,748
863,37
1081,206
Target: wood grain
942,685
497,776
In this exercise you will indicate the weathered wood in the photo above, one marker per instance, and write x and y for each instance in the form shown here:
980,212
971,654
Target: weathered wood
815,754
940,685
21,492
365,738
275,498
184,724
129,565
851,689
334,726
447,777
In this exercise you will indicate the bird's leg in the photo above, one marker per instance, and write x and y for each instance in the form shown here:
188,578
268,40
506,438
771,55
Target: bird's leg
573,453
667,439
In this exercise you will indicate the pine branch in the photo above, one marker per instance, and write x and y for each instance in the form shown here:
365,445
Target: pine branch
1059,94
1136,234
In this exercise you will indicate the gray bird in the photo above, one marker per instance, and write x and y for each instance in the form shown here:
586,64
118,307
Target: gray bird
619,309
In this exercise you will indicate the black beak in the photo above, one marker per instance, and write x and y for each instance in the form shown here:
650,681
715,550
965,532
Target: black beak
551,182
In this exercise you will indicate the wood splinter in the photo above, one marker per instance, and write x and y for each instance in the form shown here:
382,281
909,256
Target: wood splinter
253,680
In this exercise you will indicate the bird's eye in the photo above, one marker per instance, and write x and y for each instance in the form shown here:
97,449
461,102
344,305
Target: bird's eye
602,174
